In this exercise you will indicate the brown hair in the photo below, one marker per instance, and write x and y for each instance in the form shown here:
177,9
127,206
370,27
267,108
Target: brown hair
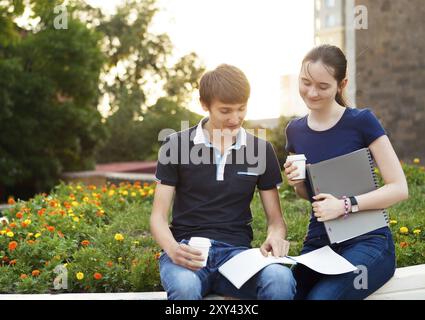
226,84
332,57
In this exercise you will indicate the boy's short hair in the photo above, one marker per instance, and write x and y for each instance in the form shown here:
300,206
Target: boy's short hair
226,84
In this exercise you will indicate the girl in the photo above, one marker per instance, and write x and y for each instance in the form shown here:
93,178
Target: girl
332,129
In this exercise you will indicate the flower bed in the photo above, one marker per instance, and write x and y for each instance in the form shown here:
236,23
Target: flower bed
97,237
100,236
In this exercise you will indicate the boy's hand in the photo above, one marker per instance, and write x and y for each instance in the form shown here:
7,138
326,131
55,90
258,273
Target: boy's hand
186,256
278,246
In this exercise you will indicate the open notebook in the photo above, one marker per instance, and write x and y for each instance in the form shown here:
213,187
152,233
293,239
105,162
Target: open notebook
348,175
246,264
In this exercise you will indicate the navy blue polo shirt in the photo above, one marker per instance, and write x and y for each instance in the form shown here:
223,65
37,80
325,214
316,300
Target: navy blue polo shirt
214,191
356,129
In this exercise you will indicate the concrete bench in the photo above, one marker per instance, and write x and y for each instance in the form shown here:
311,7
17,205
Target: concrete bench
407,284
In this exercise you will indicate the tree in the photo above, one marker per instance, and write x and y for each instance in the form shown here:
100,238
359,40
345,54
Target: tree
48,94
138,58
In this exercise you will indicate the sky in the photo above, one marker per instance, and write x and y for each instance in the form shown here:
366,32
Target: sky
264,38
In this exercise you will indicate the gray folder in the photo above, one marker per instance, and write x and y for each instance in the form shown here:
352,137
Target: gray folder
348,175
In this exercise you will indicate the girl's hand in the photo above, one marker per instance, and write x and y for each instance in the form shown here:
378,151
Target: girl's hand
291,174
327,207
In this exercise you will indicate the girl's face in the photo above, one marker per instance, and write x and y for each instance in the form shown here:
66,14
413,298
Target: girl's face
317,85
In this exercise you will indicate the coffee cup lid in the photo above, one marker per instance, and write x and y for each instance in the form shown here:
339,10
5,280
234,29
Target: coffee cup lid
296,157
200,241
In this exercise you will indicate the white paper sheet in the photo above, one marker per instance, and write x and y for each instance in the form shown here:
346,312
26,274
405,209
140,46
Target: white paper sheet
243,266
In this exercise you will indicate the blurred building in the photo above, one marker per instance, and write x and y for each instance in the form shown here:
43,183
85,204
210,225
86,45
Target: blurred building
291,102
385,47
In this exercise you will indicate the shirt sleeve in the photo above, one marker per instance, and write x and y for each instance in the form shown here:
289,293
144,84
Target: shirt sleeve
167,165
289,147
371,127
272,175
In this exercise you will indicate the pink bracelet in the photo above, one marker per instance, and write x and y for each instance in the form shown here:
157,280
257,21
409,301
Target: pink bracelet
346,207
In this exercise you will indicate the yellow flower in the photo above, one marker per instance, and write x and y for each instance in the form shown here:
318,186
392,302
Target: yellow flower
30,234
416,161
10,234
2,232
136,242
27,221
393,222
111,193
125,192
74,203
86,199
151,192
80,275
133,194
76,219
404,230
70,211
78,188
119,237
37,235
417,231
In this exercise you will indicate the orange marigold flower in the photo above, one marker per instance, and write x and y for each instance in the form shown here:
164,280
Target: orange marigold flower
157,255
85,243
19,215
23,224
50,228
35,273
60,234
41,211
403,244
12,262
11,201
100,213
53,203
13,245
12,225
23,276
97,276
30,241
109,264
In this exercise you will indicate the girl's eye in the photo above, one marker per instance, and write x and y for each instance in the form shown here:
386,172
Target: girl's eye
306,83
324,87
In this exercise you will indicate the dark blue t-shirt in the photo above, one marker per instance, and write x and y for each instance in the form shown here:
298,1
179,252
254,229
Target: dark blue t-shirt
356,129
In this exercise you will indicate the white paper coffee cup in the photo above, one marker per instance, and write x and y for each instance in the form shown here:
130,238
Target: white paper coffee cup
299,161
202,244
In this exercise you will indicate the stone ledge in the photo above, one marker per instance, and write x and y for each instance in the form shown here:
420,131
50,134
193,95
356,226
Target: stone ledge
408,283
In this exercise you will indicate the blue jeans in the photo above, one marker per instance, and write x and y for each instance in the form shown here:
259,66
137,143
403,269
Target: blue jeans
373,254
274,282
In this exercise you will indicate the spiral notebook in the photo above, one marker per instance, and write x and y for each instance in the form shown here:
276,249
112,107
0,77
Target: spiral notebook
350,175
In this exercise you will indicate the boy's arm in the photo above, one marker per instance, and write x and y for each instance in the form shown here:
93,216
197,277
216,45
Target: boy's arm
276,226
180,254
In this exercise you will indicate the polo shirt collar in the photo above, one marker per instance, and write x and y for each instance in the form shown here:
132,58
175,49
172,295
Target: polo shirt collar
200,137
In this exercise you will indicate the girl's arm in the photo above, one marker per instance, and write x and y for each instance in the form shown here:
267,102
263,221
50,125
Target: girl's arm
395,188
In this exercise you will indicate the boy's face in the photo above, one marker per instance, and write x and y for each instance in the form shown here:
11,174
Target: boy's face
226,117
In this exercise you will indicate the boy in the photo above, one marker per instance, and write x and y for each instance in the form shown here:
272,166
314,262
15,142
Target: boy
212,172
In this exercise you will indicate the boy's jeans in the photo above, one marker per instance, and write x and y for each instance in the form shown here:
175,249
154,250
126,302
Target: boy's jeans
274,282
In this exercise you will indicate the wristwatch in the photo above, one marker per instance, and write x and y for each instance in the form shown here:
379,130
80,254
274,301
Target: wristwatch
354,204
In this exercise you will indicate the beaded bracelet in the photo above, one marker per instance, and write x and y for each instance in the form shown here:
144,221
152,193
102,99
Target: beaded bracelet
346,207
